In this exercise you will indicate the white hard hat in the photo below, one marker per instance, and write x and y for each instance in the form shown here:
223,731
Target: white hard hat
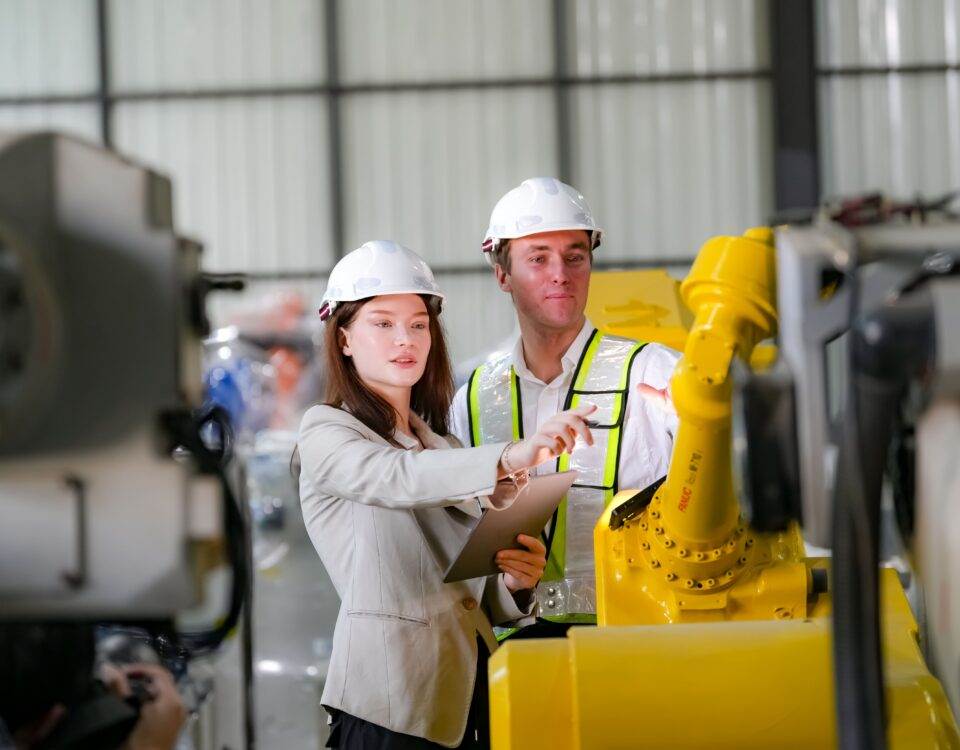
540,204
376,268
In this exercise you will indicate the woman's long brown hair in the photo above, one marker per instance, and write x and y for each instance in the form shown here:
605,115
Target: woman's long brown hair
430,397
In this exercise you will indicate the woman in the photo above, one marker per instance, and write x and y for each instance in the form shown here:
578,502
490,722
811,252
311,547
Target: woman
388,502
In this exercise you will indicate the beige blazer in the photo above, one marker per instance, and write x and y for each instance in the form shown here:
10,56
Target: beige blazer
387,522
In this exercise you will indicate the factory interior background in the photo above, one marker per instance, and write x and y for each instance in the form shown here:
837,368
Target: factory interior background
295,130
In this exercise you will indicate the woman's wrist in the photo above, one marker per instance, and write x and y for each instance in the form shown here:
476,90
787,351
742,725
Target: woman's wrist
517,480
508,471
505,463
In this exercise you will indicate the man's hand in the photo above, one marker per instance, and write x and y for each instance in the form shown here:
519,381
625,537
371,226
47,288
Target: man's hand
522,568
161,715
659,397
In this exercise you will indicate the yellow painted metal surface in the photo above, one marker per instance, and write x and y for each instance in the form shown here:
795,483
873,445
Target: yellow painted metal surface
641,581
647,306
737,684
731,290
709,635
722,685
688,556
531,695
641,305
919,712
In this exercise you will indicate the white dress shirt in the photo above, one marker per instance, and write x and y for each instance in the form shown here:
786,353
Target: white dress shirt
648,428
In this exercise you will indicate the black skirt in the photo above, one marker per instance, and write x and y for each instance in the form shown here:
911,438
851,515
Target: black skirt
347,732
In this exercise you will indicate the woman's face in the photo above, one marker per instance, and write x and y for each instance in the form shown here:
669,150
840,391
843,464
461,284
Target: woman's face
389,340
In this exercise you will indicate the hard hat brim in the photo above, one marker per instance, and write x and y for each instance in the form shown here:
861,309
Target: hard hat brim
327,306
491,243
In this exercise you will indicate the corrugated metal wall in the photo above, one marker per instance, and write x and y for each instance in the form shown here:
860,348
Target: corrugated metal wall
425,168
203,44
899,133
669,164
445,104
665,164
250,175
609,37
47,47
427,40
77,119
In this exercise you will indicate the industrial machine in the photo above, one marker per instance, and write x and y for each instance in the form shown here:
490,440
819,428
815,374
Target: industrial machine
715,629
115,505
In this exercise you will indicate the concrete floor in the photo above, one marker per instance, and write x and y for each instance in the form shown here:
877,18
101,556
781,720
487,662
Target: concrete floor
295,610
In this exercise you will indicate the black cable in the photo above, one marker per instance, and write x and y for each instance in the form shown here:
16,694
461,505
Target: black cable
888,349
858,666
189,431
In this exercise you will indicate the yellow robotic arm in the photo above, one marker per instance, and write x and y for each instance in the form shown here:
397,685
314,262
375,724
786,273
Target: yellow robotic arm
689,551
731,289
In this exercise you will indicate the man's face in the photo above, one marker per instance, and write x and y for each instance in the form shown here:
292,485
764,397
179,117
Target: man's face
549,277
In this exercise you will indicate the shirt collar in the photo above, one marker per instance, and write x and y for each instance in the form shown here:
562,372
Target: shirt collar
568,361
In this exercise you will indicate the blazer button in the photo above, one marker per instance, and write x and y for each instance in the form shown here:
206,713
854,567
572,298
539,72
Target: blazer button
469,603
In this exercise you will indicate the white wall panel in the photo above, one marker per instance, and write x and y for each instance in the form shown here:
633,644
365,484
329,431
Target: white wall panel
215,43
250,176
665,166
426,168
476,315
887,32
899,134
385,40
611,37
77,119
228,307
47,47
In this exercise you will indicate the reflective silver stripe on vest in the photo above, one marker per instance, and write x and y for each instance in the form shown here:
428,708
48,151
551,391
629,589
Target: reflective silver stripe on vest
495,415
570,596
600,384
596,483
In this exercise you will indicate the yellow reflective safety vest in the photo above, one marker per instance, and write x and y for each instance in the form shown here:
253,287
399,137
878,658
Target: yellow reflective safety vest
495,412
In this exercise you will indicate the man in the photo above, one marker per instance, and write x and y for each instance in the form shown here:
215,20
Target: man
540,243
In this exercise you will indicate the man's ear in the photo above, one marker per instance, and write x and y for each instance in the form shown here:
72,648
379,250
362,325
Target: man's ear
503,278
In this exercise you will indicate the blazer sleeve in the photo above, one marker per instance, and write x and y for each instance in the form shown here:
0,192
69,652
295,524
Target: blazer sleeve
502,608
340,461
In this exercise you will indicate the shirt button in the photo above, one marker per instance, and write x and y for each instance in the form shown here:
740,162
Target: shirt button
469,603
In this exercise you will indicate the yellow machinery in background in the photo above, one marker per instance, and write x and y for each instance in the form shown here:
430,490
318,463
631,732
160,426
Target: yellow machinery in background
647,306
642,305
710,634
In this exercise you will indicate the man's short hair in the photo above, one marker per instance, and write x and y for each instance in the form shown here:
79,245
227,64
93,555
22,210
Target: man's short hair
501,256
